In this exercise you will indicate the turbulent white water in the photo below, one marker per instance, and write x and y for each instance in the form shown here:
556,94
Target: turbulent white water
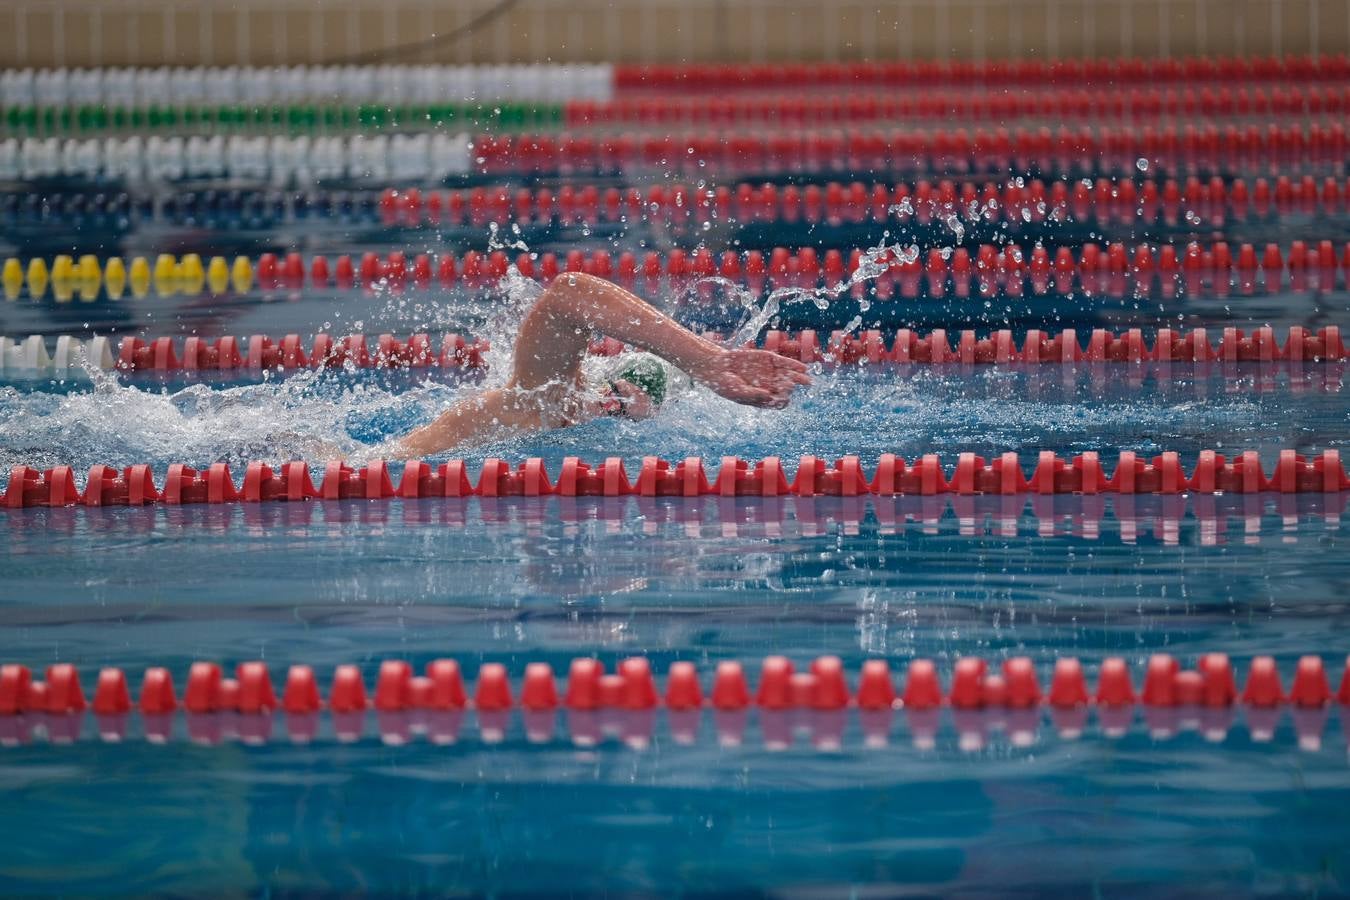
309,414
315,415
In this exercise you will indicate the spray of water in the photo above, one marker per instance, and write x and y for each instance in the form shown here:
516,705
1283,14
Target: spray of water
761,309
319,414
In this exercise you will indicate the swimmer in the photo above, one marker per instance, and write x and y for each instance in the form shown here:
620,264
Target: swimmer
547,388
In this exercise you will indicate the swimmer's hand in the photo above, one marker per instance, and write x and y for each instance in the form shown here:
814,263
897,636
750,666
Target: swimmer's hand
752,377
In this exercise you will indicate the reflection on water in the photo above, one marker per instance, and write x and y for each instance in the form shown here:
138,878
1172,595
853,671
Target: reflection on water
975,730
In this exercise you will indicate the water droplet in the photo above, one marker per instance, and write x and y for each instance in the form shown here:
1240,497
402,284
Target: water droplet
1141,164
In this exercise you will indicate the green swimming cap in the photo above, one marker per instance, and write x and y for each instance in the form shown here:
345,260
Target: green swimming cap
648,374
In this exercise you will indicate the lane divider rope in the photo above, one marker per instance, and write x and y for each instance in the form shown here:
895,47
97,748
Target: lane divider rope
328,118
989,105
264,85
1113,271
453,351
1098,70
925,476
999,105
1001,348
1030,202
431,156
1025,203
971,684
1029,205
274,159
1085,150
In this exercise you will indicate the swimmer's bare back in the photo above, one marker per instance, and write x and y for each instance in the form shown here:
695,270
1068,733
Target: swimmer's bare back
543,391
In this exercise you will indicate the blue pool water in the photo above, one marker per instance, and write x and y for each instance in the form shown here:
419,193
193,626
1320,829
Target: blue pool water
719,807
1178,803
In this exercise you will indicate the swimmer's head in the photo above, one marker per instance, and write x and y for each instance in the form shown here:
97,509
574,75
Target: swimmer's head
637,386
646,373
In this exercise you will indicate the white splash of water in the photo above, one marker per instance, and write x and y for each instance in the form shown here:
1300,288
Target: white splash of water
761,309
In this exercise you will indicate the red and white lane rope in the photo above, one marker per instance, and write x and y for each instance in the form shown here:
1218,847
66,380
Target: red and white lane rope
814,477
454,352
1216,269
991,105
701,152
1010,696
971,684
1011,73
394,84
1021,202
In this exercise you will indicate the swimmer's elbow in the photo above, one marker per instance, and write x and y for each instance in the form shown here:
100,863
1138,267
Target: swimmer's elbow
578,283
571,292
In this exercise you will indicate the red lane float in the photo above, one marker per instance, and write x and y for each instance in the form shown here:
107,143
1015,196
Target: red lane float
814,477
1213,201
196,354
997,105
703,152
997,73
259,352
972,686
1001,347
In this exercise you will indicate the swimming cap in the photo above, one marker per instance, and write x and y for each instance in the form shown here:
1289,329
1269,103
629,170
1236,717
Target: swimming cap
646,373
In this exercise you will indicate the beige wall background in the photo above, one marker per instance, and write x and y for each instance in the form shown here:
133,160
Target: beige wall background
261,32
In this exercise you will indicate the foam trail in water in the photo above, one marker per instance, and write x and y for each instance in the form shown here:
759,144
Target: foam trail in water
315,414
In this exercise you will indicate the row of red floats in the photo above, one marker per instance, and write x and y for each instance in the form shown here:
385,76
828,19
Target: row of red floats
1112,270
958,150
1019,202
926,476
260,352
1001,348
1101,71
993,104
824,685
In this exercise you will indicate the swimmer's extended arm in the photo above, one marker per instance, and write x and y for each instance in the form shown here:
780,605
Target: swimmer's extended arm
556,334
554,338
491,415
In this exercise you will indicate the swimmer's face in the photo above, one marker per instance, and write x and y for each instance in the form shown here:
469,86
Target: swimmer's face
637,404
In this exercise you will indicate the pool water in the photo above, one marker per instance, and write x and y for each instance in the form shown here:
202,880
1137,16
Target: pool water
1169,802
771,803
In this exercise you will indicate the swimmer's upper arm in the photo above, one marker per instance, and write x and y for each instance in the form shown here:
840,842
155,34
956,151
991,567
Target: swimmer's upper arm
554,336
